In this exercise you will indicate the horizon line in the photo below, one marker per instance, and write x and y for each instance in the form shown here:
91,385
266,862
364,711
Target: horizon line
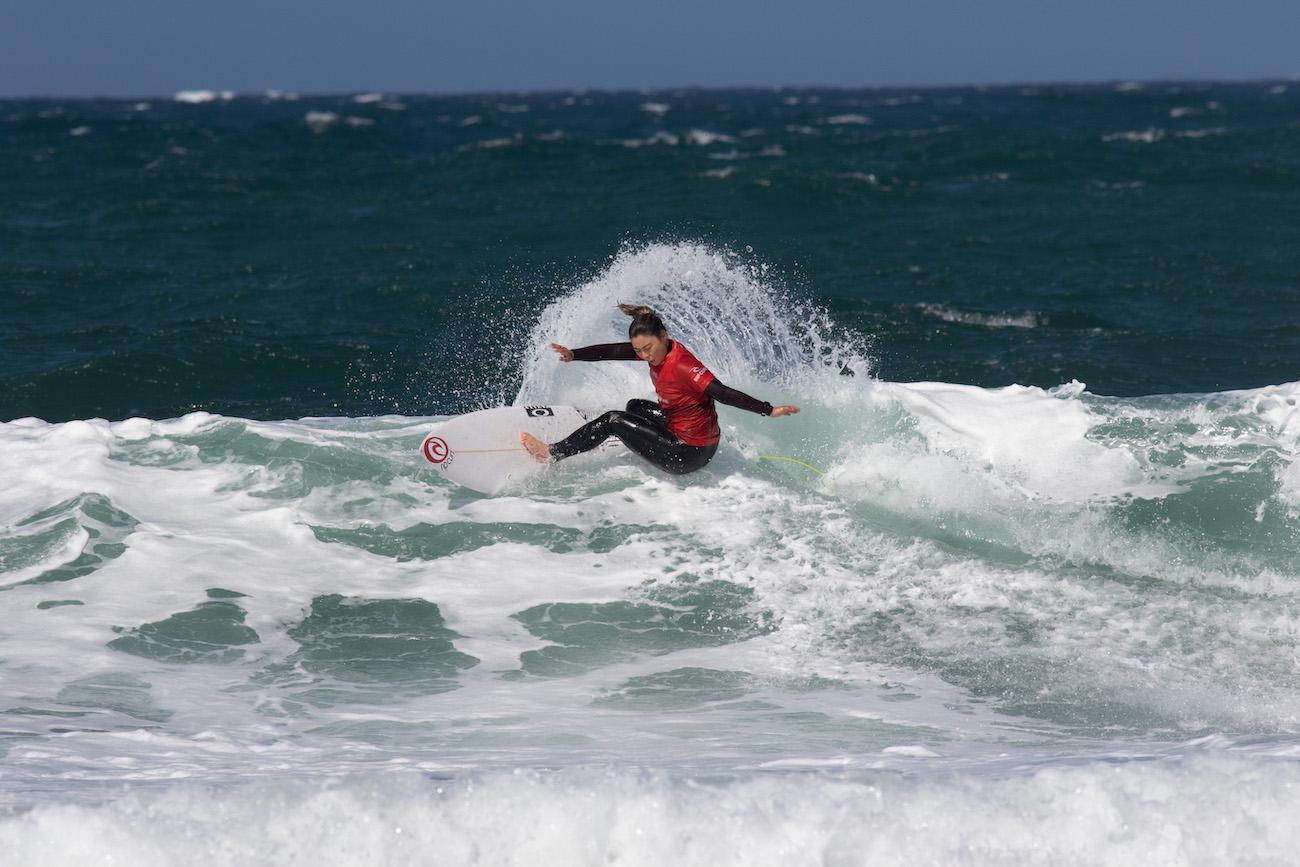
227,94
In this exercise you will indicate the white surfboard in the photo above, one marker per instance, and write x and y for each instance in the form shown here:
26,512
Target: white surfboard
481,450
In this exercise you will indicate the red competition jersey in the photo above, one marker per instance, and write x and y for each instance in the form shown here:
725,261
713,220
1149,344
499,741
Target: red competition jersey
680,383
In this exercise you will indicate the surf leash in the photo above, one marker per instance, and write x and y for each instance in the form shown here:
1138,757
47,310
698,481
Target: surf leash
791,460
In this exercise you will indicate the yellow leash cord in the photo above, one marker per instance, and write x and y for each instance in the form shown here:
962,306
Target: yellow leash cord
791,460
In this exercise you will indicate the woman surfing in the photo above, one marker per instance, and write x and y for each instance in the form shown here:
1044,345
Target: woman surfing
680,434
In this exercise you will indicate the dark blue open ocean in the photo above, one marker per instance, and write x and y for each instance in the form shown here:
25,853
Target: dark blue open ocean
1040,605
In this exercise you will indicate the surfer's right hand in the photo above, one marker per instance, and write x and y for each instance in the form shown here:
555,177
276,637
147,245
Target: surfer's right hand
566,354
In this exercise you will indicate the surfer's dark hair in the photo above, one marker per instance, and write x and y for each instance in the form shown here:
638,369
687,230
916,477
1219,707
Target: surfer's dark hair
645,322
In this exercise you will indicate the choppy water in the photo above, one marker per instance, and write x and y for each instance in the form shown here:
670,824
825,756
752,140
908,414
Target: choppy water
1019,619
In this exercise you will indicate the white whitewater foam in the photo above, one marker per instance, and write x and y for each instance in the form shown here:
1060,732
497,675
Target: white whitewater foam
979,619
1209,811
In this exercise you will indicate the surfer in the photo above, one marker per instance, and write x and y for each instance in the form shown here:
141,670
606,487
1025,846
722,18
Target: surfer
679,434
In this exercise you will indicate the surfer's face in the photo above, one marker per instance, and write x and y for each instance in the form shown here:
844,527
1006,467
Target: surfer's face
651,349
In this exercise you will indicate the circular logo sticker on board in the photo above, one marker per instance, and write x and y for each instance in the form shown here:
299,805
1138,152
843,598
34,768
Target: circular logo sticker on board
436,450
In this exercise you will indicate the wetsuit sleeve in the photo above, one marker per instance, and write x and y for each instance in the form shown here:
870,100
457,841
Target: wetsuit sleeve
605,352
738,399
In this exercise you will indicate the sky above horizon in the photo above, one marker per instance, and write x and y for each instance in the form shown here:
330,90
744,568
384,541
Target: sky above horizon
151,48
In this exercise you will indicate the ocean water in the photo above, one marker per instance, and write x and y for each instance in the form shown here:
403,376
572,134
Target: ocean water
1030,595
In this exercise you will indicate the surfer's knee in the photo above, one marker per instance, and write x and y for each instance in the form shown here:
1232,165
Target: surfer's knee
617,418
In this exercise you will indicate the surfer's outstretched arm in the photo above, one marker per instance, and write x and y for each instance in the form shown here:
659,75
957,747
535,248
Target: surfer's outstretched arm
597,352
731,397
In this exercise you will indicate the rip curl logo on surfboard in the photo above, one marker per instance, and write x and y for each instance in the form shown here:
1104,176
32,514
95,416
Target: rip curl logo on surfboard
436,450
539,411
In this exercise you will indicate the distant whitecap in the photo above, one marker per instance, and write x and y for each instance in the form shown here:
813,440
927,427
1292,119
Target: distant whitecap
492,143
704,138
659,138
1145,136
1028,319
195,97
320,120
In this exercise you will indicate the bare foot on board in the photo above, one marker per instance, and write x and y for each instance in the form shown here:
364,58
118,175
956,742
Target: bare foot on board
538,449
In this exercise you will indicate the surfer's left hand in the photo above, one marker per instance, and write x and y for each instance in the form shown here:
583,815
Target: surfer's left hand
784,409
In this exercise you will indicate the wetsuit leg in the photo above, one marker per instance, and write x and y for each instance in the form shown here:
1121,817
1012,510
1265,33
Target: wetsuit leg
650,441
648,410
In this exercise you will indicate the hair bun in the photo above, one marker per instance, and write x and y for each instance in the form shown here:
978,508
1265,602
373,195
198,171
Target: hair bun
636,310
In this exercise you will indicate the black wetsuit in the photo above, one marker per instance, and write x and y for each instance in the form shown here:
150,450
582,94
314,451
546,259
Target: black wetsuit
642,426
